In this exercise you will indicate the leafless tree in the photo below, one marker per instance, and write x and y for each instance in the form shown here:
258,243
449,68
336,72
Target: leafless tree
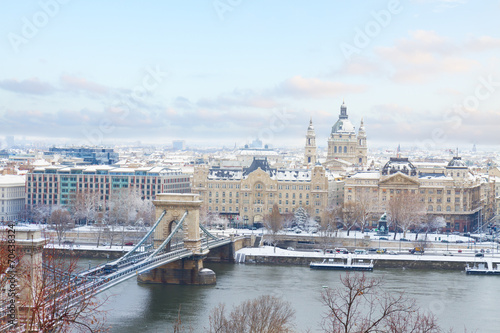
366,204
41,213
55,304
361,305
351,215
61,222
86,205
273,223
265,314
404,210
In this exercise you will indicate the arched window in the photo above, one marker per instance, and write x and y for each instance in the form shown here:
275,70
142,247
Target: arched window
430,208
345,149
438,208
448,208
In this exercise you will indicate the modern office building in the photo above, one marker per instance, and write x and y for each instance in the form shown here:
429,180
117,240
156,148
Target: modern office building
55,185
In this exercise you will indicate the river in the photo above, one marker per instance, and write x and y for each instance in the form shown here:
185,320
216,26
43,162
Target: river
458,300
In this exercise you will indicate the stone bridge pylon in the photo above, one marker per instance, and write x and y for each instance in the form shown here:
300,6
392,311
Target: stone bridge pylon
179,208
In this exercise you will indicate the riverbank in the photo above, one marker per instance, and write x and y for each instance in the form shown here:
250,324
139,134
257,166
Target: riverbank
278,256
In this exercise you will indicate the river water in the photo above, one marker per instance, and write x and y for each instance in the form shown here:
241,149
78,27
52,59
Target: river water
458,300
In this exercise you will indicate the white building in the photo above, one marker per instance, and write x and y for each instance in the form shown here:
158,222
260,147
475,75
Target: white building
12,197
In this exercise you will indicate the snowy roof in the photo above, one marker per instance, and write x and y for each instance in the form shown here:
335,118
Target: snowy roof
293,174
12,180
366,175
226,174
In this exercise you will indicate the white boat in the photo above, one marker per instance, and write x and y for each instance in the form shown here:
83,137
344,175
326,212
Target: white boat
485,267
343,264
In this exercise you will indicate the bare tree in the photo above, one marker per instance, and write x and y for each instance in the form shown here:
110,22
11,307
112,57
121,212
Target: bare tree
85,205
366,205
55,303
351,215
361,305
61,222
274,224
265,314
404,210
41,213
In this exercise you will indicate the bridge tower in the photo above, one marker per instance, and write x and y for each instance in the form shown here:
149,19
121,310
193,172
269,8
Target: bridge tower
189,270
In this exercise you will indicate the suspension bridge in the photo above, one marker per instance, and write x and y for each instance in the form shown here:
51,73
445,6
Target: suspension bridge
180,244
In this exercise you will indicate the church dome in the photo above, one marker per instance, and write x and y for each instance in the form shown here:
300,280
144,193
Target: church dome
343,126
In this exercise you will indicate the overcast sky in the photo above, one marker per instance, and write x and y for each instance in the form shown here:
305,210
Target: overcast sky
225,72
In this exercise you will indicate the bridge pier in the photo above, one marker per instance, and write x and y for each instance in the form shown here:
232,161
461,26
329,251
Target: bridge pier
184,271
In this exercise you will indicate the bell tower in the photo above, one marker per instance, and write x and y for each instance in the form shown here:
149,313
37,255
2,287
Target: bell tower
310,148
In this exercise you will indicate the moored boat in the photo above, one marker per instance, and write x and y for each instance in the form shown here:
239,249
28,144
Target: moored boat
343,264
486,267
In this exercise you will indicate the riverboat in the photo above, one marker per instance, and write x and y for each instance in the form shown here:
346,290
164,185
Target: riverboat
483,268
343,264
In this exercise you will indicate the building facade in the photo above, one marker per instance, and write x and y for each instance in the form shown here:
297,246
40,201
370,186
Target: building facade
345,147
248,194
91,156
12,197
55,185
453,193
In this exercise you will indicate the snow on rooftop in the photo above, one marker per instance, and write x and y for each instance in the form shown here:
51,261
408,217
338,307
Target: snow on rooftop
12,180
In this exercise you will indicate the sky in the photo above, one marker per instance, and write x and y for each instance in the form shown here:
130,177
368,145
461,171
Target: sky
226,72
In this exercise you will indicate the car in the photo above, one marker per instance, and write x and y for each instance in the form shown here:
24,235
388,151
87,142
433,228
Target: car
459,241
341,250
68,242
383,238
380,251
447,253
479,255
290,248
129,244
393,252
360,251
444,241
404,240
372,250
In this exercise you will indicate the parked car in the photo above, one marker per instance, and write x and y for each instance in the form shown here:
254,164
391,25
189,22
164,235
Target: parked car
479,254
459,241
129,244
404,240
448,253
393,252
380,251
360,251
341,250
383,238
372,250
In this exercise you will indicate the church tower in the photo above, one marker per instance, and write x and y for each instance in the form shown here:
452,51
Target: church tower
310,151
362,147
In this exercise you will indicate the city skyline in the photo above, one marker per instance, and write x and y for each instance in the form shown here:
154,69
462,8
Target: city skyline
421,73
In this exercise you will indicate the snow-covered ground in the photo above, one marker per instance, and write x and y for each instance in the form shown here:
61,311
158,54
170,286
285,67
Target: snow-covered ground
428,256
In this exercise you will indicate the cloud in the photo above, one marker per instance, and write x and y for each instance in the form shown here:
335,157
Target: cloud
423,56
300,87
30,86
74,83
482,43
238,99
